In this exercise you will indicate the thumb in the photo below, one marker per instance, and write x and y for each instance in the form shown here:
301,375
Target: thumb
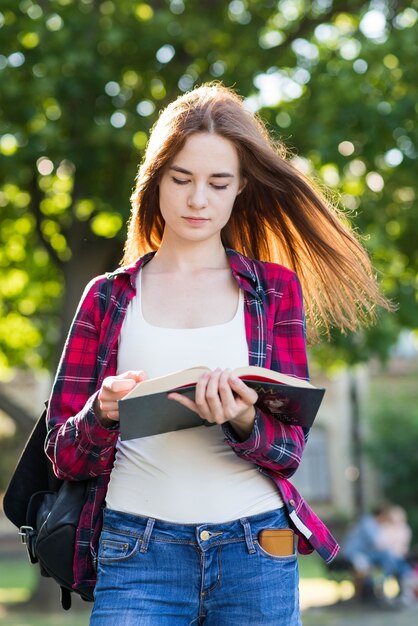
136,375
119,384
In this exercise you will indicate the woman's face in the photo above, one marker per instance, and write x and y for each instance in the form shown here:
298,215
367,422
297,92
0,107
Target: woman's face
198,188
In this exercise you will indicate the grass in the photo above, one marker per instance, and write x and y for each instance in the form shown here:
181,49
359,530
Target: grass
312,566
17,580
41,619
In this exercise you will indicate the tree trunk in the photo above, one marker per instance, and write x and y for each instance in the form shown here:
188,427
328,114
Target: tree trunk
24,421
356,444
91,257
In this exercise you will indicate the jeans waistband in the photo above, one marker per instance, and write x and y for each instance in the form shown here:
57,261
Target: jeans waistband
205,535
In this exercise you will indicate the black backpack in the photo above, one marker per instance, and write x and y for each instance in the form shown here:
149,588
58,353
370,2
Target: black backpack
46,510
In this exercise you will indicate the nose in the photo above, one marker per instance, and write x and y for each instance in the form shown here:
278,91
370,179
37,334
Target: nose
197,198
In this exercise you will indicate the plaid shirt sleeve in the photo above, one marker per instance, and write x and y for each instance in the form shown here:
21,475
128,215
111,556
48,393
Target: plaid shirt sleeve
78,446
289,334
272,444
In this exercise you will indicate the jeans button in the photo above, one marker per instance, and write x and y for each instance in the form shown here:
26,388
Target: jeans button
204,535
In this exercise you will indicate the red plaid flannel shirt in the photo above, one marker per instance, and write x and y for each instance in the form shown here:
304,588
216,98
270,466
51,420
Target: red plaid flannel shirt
80,448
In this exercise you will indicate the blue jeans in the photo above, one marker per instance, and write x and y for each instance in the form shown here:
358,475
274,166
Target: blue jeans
391,564
155,573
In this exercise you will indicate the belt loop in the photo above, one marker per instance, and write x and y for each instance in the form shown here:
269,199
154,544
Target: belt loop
147,534
248,536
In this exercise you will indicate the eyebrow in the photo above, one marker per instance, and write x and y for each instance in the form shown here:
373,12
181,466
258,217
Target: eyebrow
181,170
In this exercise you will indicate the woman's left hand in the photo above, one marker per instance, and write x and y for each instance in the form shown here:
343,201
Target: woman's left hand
221,397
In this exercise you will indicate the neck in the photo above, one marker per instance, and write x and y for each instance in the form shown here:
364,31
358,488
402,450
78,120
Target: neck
191,256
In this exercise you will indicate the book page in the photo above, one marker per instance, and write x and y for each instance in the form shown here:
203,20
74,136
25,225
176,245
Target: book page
188,376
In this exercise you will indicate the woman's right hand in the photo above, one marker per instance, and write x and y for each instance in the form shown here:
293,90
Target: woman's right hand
115,388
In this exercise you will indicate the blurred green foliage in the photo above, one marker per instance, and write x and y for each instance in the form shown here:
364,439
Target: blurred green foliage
81,83
391,446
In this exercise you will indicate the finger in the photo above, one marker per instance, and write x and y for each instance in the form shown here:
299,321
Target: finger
136,375
108,407
119,385
113,394
212,396
115,386
200,397
113,389
124,381
113,383
113,415
187,402
226,395
245,393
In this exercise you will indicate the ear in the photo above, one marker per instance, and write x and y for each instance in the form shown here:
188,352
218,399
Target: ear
242,186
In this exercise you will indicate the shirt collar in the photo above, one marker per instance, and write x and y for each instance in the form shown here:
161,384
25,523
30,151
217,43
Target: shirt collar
132,270
242,266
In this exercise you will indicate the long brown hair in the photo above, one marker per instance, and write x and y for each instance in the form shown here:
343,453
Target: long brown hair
280,215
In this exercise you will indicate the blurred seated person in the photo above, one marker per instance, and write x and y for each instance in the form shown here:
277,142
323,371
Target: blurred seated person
366,549
395,532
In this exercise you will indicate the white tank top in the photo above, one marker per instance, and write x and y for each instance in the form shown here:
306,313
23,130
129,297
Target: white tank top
188,476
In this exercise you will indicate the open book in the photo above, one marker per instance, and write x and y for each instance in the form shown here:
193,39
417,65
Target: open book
147,411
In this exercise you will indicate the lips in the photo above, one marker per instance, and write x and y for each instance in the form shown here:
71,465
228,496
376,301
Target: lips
195,221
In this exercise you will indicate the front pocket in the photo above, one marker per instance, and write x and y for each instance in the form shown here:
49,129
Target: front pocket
117,549
277,541
272,557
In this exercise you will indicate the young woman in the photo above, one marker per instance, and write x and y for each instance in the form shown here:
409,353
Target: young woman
171,527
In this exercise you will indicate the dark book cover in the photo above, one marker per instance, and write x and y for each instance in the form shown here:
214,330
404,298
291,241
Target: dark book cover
155,414
296,406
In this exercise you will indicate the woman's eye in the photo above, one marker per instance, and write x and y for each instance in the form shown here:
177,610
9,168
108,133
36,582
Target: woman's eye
182,181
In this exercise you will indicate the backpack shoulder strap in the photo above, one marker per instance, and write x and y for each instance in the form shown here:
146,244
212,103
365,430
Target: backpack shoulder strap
107,293
32,474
